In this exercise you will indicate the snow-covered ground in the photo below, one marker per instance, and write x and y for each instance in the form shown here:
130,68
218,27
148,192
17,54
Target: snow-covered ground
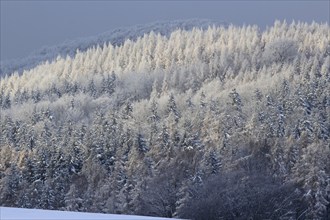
37,214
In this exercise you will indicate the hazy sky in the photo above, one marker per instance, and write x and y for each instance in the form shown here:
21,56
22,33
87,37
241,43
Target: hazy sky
28,25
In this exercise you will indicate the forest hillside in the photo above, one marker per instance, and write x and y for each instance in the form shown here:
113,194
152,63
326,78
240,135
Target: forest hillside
224,122
115,37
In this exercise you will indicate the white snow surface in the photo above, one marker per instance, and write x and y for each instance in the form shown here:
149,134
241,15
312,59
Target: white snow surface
38,214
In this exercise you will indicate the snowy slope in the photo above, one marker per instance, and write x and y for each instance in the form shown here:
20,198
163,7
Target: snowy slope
115,37
35,214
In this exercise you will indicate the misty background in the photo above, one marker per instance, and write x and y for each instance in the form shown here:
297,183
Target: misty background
29,25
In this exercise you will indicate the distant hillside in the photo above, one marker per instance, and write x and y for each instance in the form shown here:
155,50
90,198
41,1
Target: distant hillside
115,37
223,122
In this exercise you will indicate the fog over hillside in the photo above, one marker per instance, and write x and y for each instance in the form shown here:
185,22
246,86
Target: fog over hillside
216,122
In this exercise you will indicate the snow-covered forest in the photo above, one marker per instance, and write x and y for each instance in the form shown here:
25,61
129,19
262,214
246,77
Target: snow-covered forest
115,37
224,122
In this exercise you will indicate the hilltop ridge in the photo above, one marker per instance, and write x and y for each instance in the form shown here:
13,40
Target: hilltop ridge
115,37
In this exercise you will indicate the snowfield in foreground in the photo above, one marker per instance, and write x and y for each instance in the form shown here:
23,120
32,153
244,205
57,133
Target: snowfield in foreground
35,214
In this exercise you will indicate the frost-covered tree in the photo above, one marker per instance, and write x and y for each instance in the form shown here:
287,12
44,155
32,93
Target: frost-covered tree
280,51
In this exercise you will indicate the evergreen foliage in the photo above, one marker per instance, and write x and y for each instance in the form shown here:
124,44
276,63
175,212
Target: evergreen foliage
218,123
